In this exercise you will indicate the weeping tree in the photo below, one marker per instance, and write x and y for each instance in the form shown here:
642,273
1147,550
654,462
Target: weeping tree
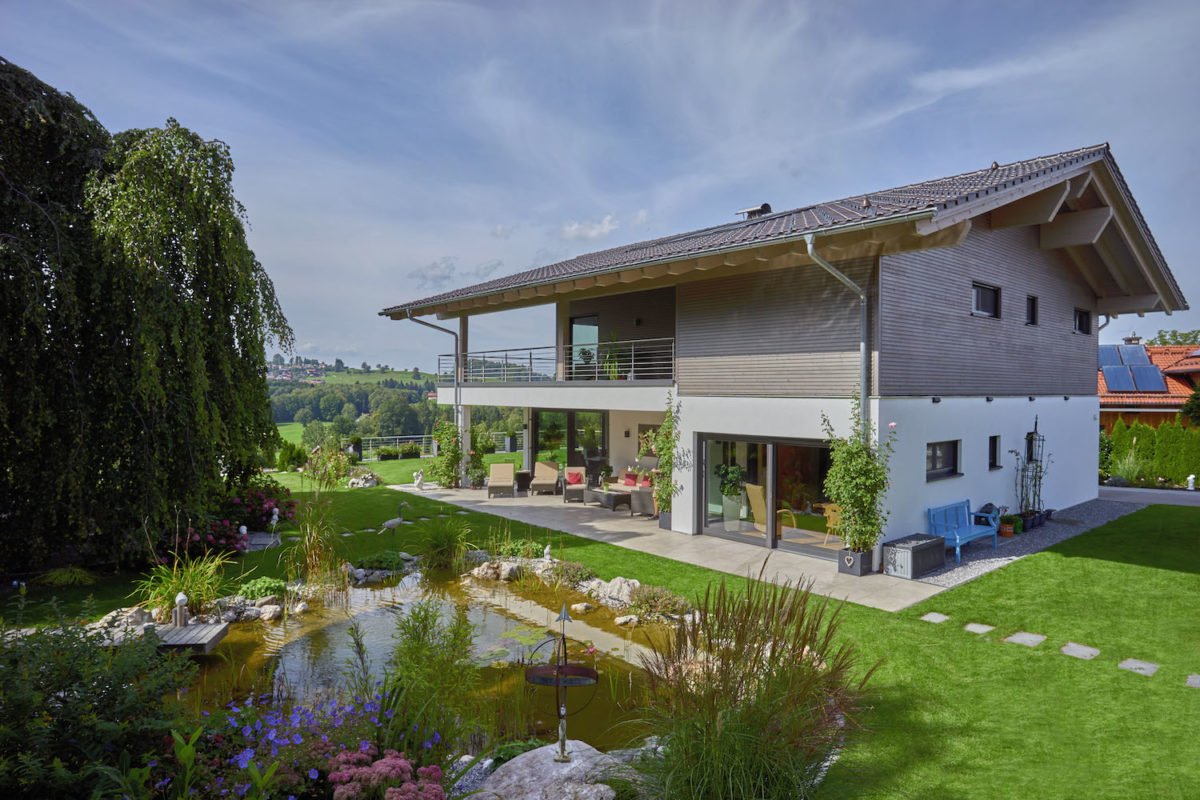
133,325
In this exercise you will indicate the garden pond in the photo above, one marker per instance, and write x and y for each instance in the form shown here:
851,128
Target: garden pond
305,657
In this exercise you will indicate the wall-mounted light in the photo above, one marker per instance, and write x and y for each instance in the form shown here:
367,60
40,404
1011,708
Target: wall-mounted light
1066,398
627,433
937,399
1031,398
989,399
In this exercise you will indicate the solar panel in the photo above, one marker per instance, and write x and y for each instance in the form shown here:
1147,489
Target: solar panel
1110,356
1118,379
1133,354
1147,378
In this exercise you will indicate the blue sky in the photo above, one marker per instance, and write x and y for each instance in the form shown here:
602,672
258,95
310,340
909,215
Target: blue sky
389,150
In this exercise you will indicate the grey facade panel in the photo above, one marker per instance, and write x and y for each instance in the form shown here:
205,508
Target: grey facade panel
932,344
780,333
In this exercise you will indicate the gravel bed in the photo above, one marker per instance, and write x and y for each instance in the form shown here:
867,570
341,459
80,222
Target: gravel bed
474,777
979,558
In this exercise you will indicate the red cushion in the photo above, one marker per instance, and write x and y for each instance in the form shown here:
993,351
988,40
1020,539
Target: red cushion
645,480
574,478
630,479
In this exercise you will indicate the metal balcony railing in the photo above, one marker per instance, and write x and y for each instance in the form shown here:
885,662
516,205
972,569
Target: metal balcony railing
633,360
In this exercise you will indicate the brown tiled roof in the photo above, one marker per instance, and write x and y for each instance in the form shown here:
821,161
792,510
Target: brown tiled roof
1167,358
926,197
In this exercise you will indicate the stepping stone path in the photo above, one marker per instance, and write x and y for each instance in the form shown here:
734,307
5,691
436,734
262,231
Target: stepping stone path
347,533
1027,639
1140,667
935,618
975,627
462,512
1193,681
1079,651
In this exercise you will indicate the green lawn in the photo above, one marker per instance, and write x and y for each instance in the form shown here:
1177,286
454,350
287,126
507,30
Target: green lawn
950,714
374,376
291,431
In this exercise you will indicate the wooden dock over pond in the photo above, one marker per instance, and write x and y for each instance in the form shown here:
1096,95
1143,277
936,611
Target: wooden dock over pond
194,639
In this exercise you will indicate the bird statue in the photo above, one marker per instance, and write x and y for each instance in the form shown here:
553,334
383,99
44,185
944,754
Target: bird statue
393,524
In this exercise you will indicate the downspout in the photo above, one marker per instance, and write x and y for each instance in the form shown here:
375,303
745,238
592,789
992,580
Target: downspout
457,395
1103,325
863,355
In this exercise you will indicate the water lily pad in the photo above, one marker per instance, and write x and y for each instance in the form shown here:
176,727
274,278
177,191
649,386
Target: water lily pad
493,655
527,635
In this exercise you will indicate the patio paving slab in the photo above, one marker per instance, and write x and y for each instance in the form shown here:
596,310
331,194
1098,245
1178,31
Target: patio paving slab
1079,651
1193,681
1146,668
978,628
935,618
1025,638
643,534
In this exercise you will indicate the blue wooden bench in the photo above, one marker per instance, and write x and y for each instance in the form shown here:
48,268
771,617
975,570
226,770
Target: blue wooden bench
957,524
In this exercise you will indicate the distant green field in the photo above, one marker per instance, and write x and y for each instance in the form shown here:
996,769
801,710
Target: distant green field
290,431
373,376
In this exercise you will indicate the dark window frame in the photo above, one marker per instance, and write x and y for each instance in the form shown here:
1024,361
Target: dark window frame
1031,309
978,310
942,460
1085,316
994,453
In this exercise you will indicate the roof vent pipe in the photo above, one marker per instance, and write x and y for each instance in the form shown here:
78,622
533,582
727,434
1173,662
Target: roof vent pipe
754,212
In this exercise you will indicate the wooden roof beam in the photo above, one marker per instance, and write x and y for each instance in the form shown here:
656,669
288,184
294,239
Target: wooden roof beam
1035,209
1075,228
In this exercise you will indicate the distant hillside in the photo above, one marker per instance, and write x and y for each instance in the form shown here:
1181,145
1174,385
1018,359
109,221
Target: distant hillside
374,376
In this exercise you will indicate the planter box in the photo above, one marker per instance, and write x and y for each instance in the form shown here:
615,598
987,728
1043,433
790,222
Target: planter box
914,556
664,520
852,563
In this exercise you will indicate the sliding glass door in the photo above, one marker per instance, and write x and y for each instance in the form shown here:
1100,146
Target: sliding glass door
571,438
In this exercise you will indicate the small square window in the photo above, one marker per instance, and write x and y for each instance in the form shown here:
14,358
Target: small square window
941,460
985,300
993,452
1031,310
1083,321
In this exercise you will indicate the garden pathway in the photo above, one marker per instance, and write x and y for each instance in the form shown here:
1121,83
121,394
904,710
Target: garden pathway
1162,497
734,558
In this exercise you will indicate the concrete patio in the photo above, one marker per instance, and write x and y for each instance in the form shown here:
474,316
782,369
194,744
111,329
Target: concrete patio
643,534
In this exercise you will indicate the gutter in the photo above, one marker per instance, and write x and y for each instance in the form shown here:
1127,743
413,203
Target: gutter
863,355
791,237
458,416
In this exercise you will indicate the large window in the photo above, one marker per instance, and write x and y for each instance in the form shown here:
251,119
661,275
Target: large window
941,460
585,343
571,438
735,480
985,300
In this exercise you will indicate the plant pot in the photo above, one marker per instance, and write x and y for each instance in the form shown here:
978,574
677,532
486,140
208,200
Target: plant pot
732,510
1049,514
1006,529
664,520
877,558
852,563
1027,521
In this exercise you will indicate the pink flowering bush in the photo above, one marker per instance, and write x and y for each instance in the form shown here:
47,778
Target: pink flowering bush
362,775
254,505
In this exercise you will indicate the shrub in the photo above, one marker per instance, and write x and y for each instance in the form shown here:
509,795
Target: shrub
201,578
749,695
262,586
857,479
255,503
1129,468
364,773
218,535
570,573
67,576
290,457
385,559
70,704
387,453
476,471
445,467
446,543
510,750
410,450
656,601
1106,455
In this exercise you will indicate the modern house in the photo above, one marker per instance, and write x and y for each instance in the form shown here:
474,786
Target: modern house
961,310
1145,383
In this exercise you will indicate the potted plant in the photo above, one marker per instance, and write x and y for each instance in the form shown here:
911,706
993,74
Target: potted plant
663,444
606,472
856,481
733,478
1008,523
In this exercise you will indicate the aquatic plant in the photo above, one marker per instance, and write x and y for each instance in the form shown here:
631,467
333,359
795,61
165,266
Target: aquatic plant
262,586
656,601
201,578
67,576
446,543
570,573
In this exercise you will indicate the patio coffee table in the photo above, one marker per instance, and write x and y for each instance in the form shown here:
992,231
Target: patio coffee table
612,500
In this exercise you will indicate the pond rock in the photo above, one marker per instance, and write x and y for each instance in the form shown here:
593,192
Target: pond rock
628,619
581,608
270,613
300,607
614,594
132,617
537,776
252,612
269,600
510,571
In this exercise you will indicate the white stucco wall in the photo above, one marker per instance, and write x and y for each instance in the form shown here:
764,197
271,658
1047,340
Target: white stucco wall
1070,427
623,451
616,396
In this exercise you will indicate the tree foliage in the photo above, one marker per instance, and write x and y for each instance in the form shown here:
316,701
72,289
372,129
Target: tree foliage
134,320
1175,337
858,478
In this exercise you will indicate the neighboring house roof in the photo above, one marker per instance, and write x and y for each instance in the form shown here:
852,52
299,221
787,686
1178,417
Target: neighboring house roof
1176,362
948,197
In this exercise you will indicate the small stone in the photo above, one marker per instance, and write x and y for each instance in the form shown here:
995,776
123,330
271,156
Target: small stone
347,533
230,616
359,575
628,619
975,627
269,600
405,556
935,618
271,613
581,608
251,613
1140,667
300,607
1193,681
510,571
1027,639
462,512
1079,651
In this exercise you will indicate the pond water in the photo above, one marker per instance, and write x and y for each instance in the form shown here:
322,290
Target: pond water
306,656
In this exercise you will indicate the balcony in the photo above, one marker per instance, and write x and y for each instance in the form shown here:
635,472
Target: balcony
638,361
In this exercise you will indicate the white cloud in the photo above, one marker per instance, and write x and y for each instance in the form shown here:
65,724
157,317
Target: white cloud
590,230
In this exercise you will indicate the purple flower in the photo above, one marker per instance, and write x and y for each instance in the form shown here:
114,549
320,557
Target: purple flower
247,731
364,746
313,774
437,738
243,758
297,739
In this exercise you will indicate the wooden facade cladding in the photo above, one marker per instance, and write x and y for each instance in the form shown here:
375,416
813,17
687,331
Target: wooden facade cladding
932,344
790,332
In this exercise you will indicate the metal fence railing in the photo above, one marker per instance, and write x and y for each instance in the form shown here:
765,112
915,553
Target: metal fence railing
370,444
633,360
